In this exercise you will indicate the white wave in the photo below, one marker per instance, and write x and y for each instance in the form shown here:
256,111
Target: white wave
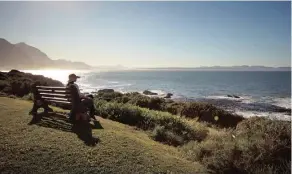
113,82
84,85
159,92
222,97
121,91
271,115
245,99
178,96
85,90
282,102
93,88
120,85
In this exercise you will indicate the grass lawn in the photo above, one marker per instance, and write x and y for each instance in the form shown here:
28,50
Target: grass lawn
50,147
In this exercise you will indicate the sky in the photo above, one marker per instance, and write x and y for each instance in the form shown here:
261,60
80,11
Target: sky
153,34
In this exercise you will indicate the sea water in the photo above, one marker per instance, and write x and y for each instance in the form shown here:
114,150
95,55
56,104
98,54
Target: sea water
261,93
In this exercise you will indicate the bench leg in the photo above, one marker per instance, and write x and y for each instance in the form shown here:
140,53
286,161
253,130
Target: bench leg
33,112
40,104
46,107
34,109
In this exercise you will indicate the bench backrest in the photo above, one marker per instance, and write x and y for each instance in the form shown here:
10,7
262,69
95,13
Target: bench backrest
53,94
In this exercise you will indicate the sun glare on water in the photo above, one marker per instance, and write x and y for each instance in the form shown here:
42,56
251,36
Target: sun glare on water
60,75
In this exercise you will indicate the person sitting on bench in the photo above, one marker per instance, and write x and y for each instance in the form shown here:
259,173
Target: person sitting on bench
80,100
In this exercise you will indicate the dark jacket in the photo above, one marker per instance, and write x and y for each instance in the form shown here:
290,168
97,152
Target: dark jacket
74,96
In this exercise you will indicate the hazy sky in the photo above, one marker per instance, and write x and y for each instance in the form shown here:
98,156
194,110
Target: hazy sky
153,34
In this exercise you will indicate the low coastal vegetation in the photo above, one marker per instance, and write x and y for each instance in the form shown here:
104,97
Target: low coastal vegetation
254,145
257,145
19,83
219,140
165,127
202,111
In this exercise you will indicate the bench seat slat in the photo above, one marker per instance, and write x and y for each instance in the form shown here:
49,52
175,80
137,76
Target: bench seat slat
54,98
54,92
51,88
40,89
58,101
66,96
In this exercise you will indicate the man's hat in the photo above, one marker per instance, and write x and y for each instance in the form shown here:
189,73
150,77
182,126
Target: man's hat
73,76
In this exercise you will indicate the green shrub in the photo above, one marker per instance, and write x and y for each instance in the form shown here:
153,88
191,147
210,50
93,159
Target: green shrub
161,134
257,145
149,119
156,103
124,99
192,110
3,84
109,96
283,168
7,90
203,111
206,113
141,101
264,141
28,97
19,84
174,107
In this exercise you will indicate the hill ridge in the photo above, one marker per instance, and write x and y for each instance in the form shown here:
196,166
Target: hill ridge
24,56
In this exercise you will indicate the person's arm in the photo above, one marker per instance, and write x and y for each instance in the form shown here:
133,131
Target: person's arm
81,96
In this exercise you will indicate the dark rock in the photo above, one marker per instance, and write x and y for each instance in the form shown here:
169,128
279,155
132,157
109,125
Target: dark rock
283,110
106,90
90,96
206,116
3,76
235,96
13,71
147,92
168,95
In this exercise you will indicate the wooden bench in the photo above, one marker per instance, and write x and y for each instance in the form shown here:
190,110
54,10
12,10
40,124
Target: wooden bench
45,95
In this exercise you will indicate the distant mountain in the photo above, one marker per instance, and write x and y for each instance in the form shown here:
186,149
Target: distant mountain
61,63
23,56
110,68
224,68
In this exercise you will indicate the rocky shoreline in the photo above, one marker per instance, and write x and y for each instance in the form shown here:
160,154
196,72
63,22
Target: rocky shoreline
19,84
229,103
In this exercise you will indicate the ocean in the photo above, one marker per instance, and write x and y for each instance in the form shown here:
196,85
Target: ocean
265,94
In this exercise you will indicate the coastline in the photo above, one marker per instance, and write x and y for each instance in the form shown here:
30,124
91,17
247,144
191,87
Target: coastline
239,106
191,128
246,106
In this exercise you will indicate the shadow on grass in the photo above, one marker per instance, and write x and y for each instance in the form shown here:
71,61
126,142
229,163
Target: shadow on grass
82,129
